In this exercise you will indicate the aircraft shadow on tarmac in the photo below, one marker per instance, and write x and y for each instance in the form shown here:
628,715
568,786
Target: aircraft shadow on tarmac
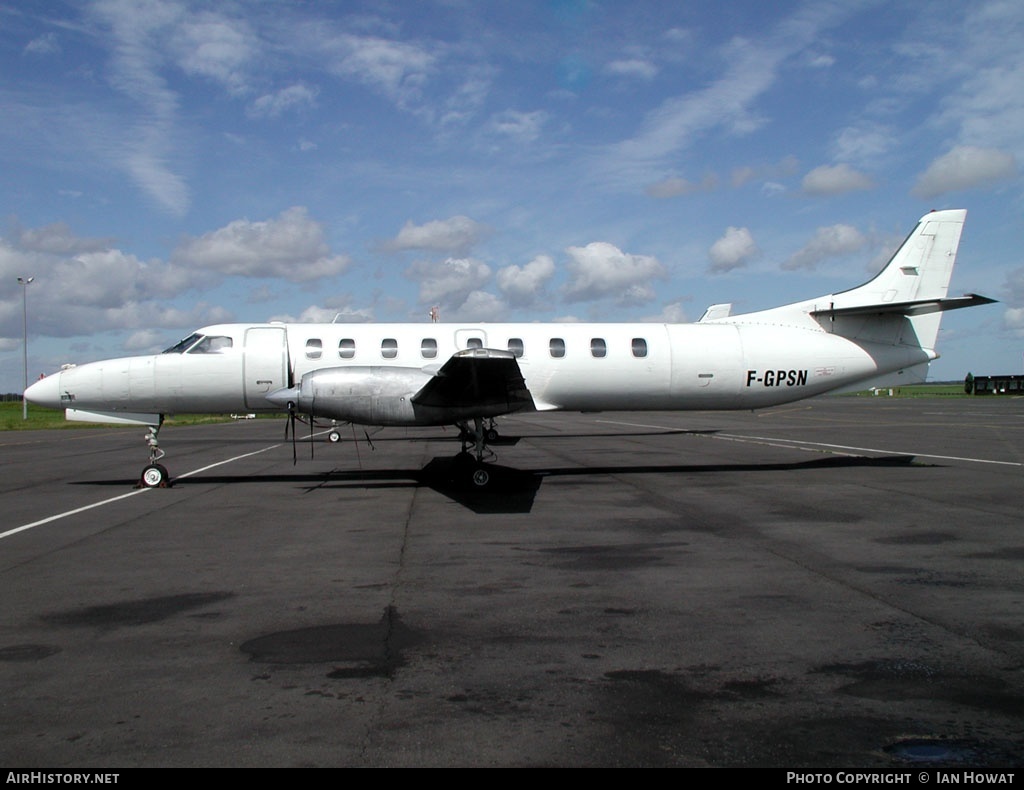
509,490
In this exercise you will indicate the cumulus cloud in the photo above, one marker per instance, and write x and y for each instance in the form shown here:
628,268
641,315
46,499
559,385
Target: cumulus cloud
55,239
965,167
830,242
835,180
1013,321
601,270
341,313
522,285
448,283
291,245
672,313
478,306
455,236
733,250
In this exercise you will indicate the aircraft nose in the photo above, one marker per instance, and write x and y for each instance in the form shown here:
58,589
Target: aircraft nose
45,392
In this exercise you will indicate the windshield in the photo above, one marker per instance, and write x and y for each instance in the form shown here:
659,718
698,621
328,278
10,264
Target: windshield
182,345
212,344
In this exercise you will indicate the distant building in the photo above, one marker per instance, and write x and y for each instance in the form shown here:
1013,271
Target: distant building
994,385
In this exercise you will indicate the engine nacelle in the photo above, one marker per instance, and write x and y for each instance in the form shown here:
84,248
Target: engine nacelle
366,395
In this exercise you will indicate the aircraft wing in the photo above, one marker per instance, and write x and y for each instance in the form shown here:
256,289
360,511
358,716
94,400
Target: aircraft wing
484,380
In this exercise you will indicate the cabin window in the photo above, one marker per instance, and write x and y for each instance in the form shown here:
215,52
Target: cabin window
212,344
346,348
389,348
428,348
474,342
314,348
598,348
557,347
515,345
639,347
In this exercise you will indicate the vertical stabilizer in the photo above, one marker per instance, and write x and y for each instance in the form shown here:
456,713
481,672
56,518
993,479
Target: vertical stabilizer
919,270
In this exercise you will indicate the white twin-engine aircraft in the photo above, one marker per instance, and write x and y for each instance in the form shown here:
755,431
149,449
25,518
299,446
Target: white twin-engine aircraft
468,374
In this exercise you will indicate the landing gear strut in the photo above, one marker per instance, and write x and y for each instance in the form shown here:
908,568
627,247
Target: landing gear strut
154,475
470,466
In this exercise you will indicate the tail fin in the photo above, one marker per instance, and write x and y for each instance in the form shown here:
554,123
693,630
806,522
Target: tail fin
903,304
919,270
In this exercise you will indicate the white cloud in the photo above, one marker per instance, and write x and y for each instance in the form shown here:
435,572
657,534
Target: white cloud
216,47
733,250
675,186
835,180
523,126
634,68
865,142
56,239
138,31
398,69
672,313
292,245
601,270
827,243
478,306
455,235
965,167
523,285
448,283
1013,321
45,44
273,105
342,313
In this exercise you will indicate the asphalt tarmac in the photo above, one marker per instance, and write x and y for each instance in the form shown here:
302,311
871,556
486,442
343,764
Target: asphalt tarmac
835,583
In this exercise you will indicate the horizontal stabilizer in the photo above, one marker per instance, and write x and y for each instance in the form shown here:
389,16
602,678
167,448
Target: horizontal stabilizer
918,307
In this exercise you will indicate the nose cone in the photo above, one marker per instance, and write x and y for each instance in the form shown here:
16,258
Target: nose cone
46,392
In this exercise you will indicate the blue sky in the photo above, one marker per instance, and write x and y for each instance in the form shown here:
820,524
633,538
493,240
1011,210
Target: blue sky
167,164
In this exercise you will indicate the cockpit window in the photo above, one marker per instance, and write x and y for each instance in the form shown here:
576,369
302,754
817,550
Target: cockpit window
183,345
214,344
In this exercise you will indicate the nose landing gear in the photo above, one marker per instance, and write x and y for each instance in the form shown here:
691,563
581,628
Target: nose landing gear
154,475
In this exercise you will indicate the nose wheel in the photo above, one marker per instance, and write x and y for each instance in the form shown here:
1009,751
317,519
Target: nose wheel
154,475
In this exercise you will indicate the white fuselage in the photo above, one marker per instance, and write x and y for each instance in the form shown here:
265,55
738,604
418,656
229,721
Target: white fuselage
577,367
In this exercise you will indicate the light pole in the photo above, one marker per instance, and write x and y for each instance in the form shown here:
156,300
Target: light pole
24,283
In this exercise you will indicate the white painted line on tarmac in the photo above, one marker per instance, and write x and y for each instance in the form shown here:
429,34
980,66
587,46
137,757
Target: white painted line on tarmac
800,443
118,498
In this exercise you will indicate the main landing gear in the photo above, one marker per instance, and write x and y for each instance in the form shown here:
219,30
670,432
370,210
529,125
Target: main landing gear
470,466
155,475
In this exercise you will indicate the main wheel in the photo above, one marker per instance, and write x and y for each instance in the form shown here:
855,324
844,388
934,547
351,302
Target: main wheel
334,437
481,477
491,434
154,476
